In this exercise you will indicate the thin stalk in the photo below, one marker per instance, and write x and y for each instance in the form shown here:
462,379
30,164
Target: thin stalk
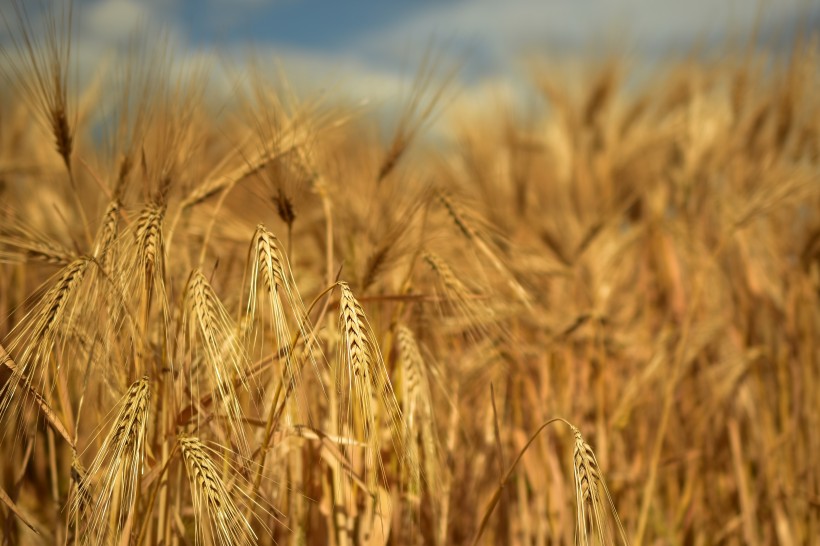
503,482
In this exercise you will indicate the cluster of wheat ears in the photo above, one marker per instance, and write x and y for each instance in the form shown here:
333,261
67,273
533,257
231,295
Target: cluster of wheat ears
253,320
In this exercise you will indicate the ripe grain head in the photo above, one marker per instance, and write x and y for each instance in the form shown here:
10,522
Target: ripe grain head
114,475
590,508
367,381
212,499
212,335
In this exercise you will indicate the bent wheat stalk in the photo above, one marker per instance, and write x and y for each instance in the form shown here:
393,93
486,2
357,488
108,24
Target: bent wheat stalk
53,419
587,479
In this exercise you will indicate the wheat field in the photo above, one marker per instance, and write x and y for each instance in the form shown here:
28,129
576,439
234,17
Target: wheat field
264,320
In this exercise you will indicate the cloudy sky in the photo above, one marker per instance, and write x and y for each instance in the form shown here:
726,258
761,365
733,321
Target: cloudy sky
368,45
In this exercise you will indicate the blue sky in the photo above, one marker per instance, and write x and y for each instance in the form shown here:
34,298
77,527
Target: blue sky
372,48
385,35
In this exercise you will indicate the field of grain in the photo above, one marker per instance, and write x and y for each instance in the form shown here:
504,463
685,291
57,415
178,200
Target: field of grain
264,320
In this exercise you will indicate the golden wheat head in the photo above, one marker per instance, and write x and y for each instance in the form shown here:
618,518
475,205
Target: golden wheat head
591,517
226,525
119,464
367,380
211,331
271,271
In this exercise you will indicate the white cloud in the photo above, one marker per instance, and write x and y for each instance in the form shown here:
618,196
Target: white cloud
339,76
113,20
501,29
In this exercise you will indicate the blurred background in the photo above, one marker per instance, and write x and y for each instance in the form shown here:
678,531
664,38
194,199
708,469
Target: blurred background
549,194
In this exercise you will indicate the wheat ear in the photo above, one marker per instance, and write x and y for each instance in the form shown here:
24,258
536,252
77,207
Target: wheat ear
270,268
590,517
212,500
120,462
418,413
107,233
589,482
459,298
149,241
208,321
21,242
368,380
40,330
480,242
